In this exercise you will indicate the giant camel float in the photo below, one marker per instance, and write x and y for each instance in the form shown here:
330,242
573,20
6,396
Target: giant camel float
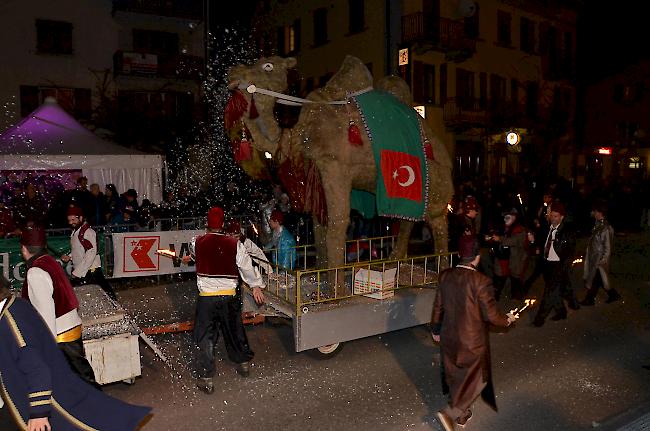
321,136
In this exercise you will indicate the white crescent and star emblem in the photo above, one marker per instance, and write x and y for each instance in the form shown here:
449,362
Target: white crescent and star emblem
411,178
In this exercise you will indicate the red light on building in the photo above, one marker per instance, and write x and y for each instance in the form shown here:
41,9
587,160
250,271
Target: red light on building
606,151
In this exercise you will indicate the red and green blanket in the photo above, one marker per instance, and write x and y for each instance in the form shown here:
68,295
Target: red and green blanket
397,144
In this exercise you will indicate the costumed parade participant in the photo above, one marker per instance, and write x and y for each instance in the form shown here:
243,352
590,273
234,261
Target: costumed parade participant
462,312
597,258
220,260
257,255
559,249
38,386
514,263
282,245
86,262
48,289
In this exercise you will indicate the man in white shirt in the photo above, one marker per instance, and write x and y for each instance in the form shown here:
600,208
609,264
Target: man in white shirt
559,249
48,289
84,253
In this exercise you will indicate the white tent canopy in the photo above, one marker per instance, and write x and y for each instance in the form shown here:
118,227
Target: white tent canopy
49,138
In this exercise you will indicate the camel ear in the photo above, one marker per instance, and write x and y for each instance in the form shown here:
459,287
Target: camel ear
290,62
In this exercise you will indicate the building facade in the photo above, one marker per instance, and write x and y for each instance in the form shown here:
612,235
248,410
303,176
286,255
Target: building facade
616,126
477,70
130,68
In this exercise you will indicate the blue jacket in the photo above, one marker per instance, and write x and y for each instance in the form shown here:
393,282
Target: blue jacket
284,254
36,380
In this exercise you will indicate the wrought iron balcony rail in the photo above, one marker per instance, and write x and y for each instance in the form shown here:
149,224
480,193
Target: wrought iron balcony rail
442,34
158,65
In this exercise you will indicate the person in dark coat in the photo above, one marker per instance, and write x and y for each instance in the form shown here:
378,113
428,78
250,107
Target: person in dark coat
462,312
38,387
597,258
559,250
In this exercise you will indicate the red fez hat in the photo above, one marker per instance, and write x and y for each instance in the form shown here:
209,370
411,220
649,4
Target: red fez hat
75,211
558,208
468,247
233,227
215,218
277,215
470,204
33,237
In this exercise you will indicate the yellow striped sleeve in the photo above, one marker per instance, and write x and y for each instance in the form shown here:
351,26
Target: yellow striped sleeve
40,394
15,329
40,403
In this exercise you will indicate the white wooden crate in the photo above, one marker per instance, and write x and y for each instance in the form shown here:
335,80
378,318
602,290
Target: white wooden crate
375,284
114,358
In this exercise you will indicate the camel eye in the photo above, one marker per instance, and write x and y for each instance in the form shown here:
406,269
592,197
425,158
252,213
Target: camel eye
267,67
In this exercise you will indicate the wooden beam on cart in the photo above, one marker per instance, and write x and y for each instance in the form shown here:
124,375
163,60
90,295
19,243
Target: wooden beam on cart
172,328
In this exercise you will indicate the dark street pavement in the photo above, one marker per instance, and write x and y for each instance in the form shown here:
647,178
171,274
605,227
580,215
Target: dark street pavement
581,373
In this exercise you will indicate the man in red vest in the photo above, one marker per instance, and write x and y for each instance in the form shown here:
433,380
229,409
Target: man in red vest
85,254
48,289
220,260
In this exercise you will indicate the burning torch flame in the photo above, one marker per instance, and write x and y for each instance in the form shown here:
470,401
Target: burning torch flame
527,302
519,197
255,229
166,252
577,261
449,208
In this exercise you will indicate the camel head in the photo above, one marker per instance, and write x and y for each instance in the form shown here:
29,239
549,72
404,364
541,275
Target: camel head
270,74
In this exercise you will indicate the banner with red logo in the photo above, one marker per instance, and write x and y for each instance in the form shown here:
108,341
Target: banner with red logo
397,144
135,253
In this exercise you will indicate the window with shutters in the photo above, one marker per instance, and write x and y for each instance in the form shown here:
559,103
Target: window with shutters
504,28
424,79
514,92
320,26
527,35
357,16
532,98
443,83
482,89
289,39
76,101
465,88
53,37
497,91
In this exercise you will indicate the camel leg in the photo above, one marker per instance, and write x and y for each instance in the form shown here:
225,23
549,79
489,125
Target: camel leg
439,230
401,247
320,234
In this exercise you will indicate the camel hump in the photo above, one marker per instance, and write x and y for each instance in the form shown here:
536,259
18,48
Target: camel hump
397,87
352,76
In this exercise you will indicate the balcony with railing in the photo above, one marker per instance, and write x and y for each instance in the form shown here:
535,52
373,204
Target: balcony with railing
441,34
494,113
460,111
158,65
190,9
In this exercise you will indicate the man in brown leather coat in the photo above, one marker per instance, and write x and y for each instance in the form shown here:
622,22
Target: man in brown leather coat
462,312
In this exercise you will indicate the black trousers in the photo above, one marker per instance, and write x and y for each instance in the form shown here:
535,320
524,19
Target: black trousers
74,353
517,290
216,314
557,286
95,277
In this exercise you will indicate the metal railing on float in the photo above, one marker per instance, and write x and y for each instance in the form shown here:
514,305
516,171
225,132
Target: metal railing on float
305,289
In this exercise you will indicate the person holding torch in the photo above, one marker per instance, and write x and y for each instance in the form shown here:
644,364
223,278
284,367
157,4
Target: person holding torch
462,312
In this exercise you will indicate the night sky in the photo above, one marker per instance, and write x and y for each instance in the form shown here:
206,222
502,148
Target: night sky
611,35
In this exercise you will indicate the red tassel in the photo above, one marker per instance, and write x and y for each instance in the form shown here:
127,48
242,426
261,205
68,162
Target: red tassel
245,150
354,135
252,113
235,108
428,150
